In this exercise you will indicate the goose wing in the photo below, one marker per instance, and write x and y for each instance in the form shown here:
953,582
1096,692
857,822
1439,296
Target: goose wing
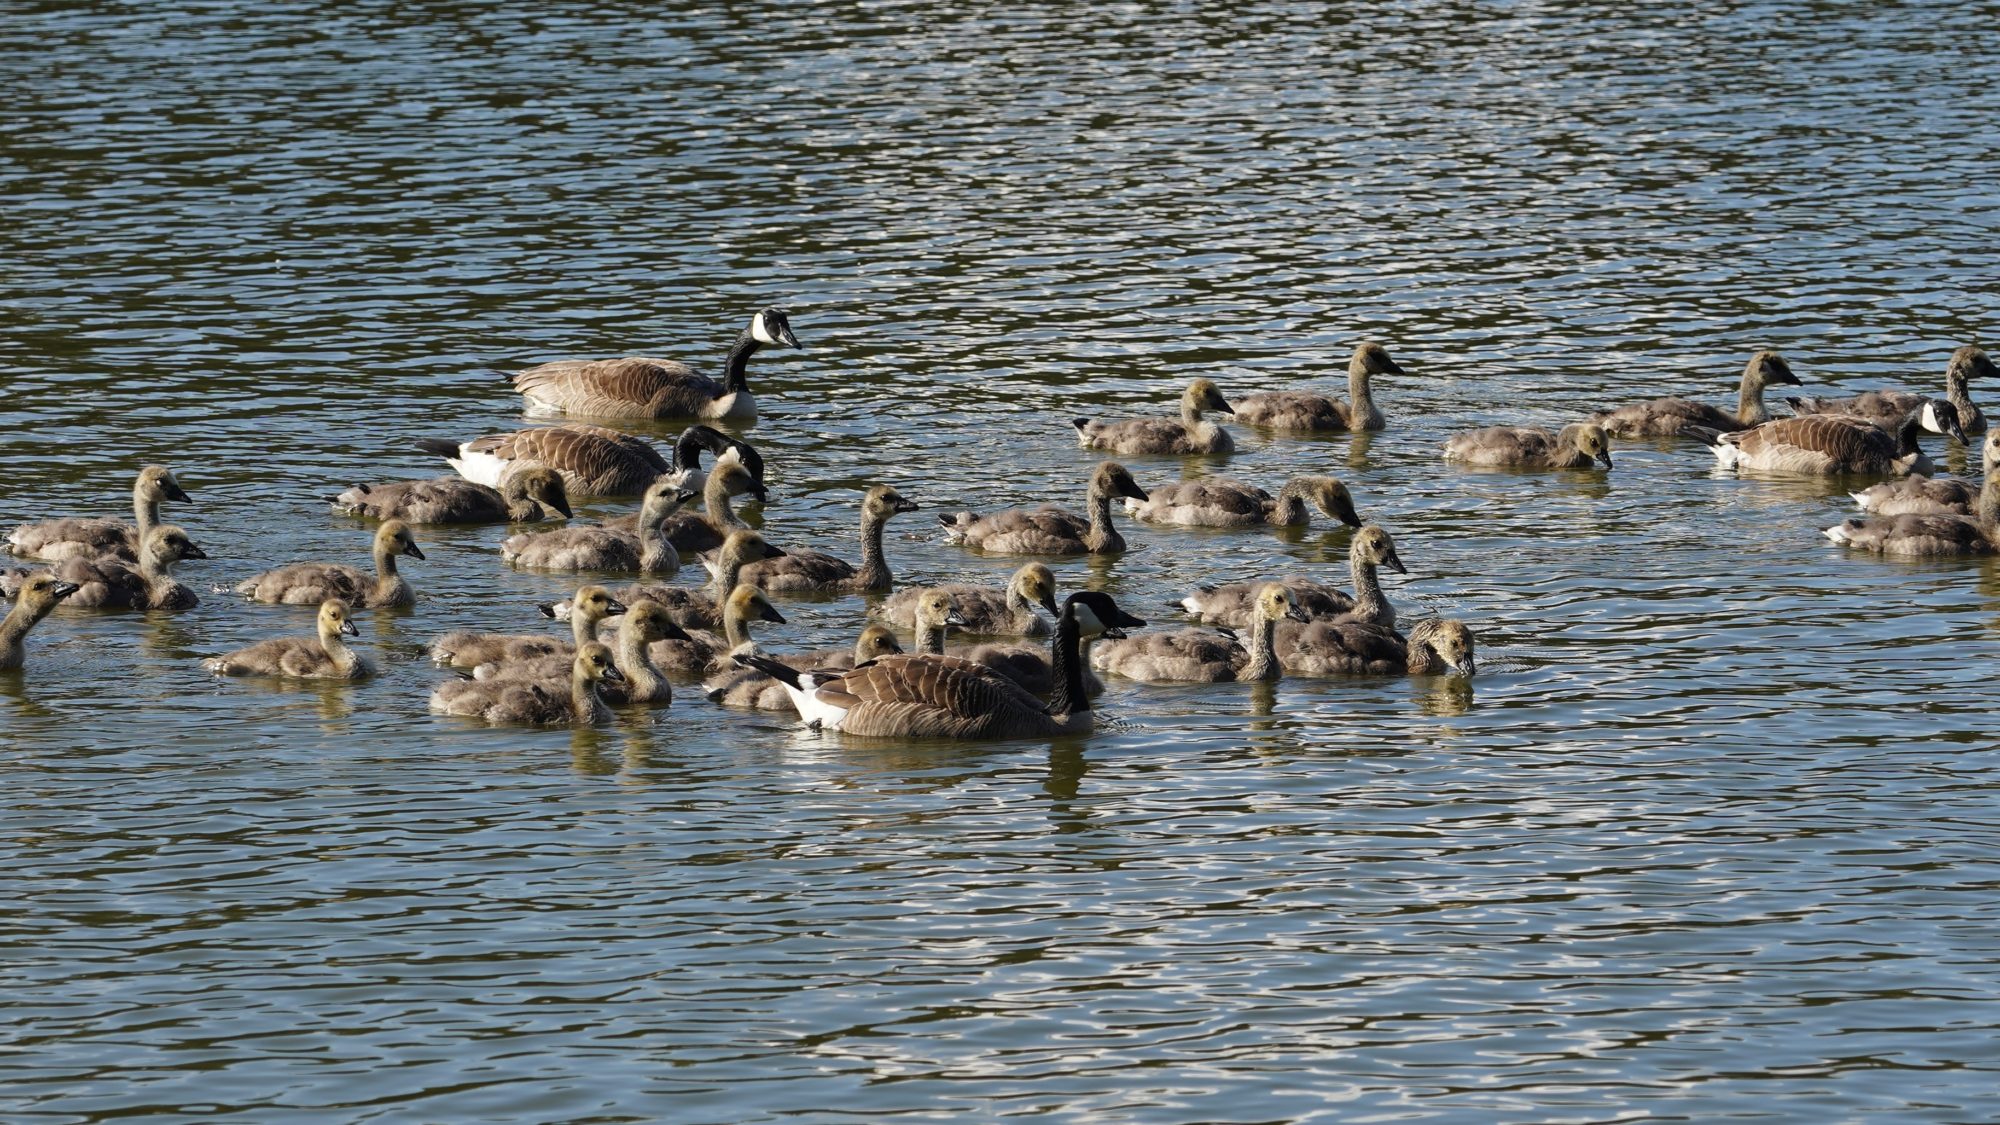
635,385
1291,410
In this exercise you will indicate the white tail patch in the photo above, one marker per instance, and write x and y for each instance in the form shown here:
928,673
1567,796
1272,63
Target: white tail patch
537,407
479,468
1838,533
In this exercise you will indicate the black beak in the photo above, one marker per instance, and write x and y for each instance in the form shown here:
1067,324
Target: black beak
1048,602
1297,613
1958,431
193,552
906,505
1394,562
771,552
548,609
614,607
1113,632
686,496
613,676
411,550
955,619
1393,369
759,493
175,492
1604,458
62,590
674,632
771,614
561,504
791,341
1222,404
1465,667
347,628
1127,488
1789,378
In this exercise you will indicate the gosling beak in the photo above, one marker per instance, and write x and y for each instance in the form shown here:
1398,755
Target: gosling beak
1604,458
1132,490
1113,632
1343,510
1048,602
1297,613
1395,562
173,491
674,632
614,607
348,629
759,493
772,615
1464,667
771,552
62,590
548,609
906,505
1789,378
1392,368
411,550
193,552
955,619
1222,404
560,504
613,676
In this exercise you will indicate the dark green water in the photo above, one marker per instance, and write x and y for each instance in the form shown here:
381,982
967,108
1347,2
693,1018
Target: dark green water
1711,837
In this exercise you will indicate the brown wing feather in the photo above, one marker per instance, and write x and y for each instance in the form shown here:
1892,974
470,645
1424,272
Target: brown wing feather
636,386
1291,410
593,461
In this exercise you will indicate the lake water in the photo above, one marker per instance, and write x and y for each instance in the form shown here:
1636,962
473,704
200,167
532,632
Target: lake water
1711,836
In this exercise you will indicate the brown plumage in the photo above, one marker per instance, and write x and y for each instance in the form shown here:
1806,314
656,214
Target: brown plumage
1829,444
1189,434
1934,534
641,387
593,461
38,596
313,583
470,650
1221,502
1203,655
694,531
110,582
1234,604
701,653
997,611
645,548
696,607
1575,446
89,537
1888,408
936,614
529,496
1050,530
749,688
803,571
322,657
536,702
1299,411
1354,648
1666,417
638,628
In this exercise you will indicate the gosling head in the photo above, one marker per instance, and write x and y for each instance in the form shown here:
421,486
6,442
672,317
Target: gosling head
1112,479
876,641
1451,641
594,663
663,498
1970,362
167,545
1333,498
1939,416
545,487
736,480
938,610
744,546
1096,613
883,501
1373,358
156,482
771,327
651,621
595,603
1036,583
748,603
336,620
1990,453
1373,545
40,593
1274,603
1591,438
394,538
1203,394
1768,369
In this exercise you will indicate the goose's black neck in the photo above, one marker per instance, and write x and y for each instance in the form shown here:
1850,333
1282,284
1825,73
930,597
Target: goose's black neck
739,362
1906,435
1066,662
687,450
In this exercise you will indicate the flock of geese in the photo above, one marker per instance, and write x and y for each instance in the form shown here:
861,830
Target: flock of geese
628,645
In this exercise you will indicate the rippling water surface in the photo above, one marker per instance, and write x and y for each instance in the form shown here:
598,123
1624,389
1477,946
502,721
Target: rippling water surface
1711,836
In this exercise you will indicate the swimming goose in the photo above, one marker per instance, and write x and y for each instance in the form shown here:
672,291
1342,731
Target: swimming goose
1189,434
645,548
1221,502
640,626
748,688
323,657
638,387
1203,655
1299,411
593,461
1828,444
1667,417
112,583
37,597
990,611
1234,604
530,496
533,701
1575,446
312,583
472,650
692,532
1977,533
694,439
1928,496
1888,408
1049,530
1355,648
89,536
702,653
696,607
924,696
800,571
937,613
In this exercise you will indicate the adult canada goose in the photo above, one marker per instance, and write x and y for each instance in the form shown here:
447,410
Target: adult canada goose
472,650
90,536
1299,411
737,686
988,611
37,597
1575,446
312,583
1828,444
1203,655
110,582
1234,604
322,657
694,439
1221,502
645,548
536,701
1929,534
1928,496
690,531
530,496
1190,433
593,461
702,653
924,696
639,387
1049,530
1667,417
1355,648
1888,408
936,614
640,626
802,571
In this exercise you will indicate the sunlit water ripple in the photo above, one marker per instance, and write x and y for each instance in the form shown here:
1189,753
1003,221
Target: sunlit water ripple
1711,836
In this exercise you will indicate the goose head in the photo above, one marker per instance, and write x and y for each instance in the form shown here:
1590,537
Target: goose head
662,499
1333,498
1939,416
1372,358
1036,584
40,593
594,664
936,609
687,450
747,547
594,604
1970,362
1096,613
167,545
1274,603
1112,479
652,622
771,327
875,641
156,483
1203,394
735,479
748,603
1451,641
1768,369
336,620
544,486
1593,441
394,538
1372,545
883,501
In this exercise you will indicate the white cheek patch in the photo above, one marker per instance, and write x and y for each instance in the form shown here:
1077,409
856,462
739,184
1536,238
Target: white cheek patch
1931,418
760,330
